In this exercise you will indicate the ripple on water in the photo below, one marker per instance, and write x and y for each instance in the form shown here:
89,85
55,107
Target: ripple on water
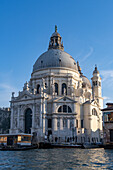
57,159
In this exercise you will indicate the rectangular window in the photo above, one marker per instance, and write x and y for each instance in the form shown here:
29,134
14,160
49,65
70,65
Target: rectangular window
76,123
111,135
81,123
49,123
58,123
64,108
19,138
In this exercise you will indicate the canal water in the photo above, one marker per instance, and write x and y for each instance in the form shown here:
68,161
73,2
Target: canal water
54,159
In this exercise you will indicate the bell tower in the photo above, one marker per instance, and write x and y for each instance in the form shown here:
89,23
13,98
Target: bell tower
96,86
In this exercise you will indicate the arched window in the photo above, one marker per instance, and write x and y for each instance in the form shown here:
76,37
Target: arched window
94,112
38,88
60,109
45,85
69,110
64,88
99,83
56,88
64,109
28,120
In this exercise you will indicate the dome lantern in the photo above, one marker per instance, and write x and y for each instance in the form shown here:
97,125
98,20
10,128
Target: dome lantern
95,71
55,41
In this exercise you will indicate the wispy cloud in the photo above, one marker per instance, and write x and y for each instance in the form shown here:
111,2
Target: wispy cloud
5,86
88,54
107,76
107,83
106,98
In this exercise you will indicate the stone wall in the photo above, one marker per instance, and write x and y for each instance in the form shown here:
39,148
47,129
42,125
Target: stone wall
4,120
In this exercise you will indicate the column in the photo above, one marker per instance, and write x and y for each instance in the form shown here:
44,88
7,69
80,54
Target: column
74,108
18,123
74,122
68,123
60,87
43,125
74,126
41,113
33,116
33,87
12,112
54,107
61,123
46,123
55,124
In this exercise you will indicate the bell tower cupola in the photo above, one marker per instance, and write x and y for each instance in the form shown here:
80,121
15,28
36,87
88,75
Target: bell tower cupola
55,41
96,84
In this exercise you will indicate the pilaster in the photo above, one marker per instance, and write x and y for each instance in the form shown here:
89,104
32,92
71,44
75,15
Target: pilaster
18,122
33,117
61,123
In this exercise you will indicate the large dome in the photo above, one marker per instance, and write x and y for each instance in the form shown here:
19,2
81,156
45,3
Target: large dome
55,58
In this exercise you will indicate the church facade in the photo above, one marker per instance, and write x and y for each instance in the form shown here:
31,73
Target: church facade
59,102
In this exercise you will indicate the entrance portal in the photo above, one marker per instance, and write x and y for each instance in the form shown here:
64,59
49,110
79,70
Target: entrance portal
28,120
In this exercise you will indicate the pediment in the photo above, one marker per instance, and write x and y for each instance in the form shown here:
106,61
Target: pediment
94,102
25,95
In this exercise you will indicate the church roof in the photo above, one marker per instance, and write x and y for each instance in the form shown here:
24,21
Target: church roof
107,109
55,56
86,81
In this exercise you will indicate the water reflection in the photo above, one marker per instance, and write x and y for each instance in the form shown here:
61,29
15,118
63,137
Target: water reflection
57,159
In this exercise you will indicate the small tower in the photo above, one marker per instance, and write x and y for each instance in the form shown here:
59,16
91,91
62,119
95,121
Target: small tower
96,85
55,41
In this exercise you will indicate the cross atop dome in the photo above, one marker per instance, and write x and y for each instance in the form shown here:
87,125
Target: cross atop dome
55,28
55,41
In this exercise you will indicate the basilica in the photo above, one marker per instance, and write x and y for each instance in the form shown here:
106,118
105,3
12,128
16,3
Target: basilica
59,103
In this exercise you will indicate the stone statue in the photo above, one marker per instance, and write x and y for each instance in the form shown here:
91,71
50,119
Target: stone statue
64,91
13,94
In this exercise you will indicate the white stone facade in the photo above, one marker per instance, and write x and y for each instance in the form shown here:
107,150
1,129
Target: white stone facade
59,101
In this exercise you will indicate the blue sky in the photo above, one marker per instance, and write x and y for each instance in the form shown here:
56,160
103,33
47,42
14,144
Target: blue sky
86,27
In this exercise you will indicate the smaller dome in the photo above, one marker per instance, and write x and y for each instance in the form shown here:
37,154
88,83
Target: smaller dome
55,34
86,82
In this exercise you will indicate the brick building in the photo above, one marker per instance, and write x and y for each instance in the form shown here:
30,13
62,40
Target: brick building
108,124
